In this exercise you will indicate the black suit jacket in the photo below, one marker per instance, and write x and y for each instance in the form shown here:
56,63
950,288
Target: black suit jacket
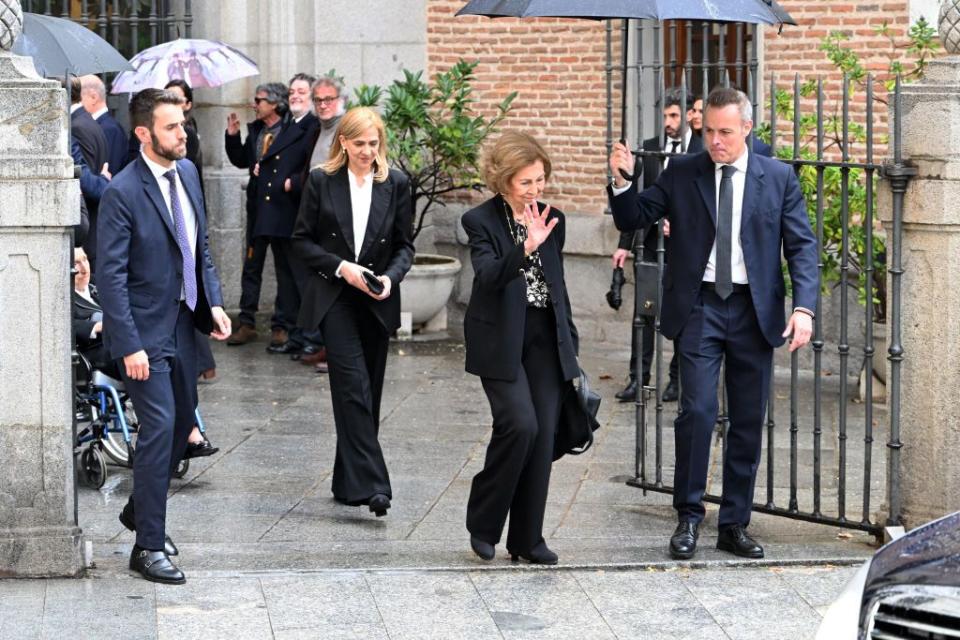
493,323
774,225
323,237
84,314
90,137
271,211
116,142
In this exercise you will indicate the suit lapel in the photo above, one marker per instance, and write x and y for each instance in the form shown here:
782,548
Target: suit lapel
380,197
153,192
751,189
707,185
289,135
343,207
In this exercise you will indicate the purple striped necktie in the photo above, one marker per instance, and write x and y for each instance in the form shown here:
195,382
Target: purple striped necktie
179,225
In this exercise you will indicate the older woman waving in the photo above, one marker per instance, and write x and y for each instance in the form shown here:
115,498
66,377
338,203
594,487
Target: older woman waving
353,233
521,341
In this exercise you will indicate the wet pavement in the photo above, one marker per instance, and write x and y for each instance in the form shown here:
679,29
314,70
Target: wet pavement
268,553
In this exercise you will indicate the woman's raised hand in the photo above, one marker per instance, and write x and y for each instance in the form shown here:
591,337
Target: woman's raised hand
538,229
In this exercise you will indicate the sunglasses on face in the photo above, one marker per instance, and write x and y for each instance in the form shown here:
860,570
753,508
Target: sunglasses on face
325,100
259,100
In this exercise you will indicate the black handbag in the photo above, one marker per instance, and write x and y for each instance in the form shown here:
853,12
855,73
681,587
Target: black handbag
578,418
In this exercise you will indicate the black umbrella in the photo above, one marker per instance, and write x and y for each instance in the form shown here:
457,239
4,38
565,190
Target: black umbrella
60,47
753,11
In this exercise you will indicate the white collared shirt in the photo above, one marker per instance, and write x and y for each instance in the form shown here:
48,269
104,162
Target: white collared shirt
99,112
74,107
682,148
360,198
738,269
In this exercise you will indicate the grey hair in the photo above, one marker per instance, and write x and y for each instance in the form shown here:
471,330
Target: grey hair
276,94
94,85
327,81
726,96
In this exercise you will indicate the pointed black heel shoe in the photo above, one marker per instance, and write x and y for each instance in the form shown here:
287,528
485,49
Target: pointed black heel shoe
379,504
540,554
484,550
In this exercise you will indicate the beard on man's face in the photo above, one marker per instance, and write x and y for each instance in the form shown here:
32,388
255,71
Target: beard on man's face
177,152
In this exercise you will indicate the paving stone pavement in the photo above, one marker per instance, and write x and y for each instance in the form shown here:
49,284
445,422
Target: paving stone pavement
269,554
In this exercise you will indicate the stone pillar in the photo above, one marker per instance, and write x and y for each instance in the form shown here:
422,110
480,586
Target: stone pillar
39,535
928,472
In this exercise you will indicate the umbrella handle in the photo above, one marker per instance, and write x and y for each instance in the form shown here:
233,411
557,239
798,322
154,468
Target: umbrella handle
629,177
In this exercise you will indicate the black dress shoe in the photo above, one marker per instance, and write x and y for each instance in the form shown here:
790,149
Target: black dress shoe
629,392
126,519
199,449
155,566
671,393
485,550
379,504
683,542
734,539
540,554
286,347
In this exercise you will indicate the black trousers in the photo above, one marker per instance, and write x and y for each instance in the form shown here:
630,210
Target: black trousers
287,303
357,344
165,404
516,473
719,329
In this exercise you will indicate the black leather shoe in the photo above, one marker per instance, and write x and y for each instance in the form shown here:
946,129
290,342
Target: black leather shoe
734,539
155,566
308,350
379,504
683,542
629,392
286,347
199,449
540,554
126,519
485,550
671,393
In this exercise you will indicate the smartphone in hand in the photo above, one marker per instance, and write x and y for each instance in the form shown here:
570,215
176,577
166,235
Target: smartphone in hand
373,283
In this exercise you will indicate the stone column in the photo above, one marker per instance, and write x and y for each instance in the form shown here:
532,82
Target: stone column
928,472
39,535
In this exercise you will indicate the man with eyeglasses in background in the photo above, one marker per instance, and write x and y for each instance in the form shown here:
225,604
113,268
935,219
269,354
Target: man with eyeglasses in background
270,212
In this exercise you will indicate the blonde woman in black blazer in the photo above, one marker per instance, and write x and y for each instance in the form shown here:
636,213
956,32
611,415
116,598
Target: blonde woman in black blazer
521,341
355,217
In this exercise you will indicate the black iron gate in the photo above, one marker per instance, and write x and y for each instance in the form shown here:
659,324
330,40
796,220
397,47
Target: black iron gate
835,155
129,25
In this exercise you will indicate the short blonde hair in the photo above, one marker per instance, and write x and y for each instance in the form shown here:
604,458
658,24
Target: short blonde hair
352,125
512,152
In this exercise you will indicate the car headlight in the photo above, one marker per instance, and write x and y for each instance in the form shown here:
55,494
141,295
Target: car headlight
842,619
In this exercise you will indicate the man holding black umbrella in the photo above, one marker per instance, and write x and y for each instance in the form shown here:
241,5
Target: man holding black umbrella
733,214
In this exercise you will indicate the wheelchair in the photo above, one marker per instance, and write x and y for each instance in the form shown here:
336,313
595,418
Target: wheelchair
106,424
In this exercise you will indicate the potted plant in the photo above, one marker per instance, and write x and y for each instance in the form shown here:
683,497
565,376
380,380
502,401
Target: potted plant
436,138
866,264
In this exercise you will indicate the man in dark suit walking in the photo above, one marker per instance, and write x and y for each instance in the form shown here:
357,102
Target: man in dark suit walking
157,283
93,147
733,214
93,94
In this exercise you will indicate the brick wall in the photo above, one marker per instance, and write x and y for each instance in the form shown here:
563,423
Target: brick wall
557,66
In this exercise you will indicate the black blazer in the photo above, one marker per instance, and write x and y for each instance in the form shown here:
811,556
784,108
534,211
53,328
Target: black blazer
493,324
92,141
84,314
323,237
271,211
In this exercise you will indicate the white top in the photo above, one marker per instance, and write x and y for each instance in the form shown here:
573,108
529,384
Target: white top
683,147
738,269
360,197
99,112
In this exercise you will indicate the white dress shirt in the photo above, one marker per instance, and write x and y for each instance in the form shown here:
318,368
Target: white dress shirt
738,269
189,215
99,112
360,199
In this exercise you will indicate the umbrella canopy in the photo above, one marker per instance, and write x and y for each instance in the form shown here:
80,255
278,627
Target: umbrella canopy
59,46
754,11
201,63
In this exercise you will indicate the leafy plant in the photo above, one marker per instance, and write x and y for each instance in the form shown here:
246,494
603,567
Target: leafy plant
921,46
434,134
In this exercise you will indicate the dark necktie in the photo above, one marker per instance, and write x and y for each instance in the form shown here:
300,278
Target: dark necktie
179,225
724,282
674,146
